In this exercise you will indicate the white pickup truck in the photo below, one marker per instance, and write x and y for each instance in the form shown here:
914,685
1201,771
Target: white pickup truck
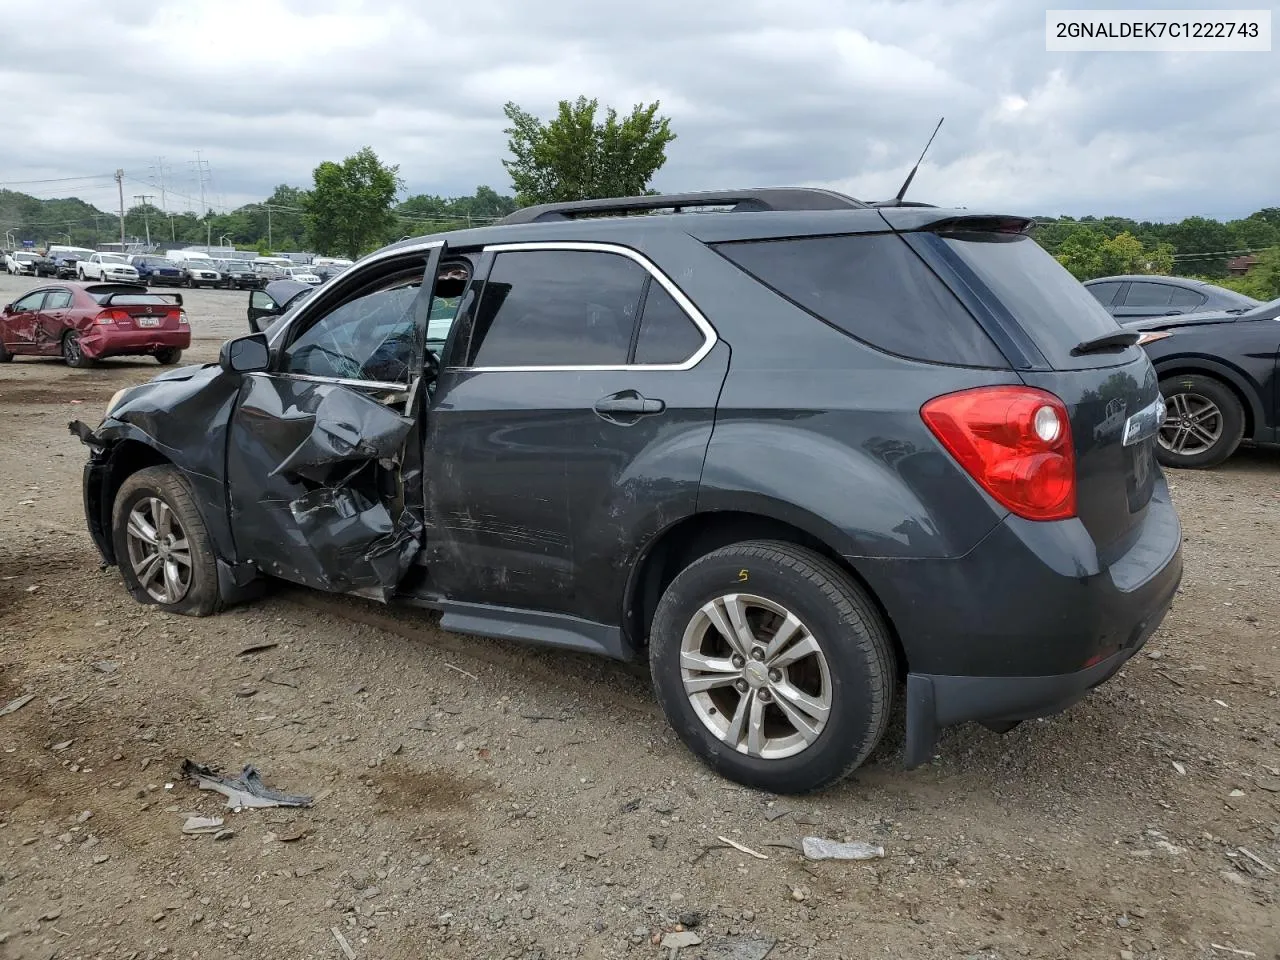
107,267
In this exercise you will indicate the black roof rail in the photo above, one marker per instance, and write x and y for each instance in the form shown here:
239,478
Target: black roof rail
770,198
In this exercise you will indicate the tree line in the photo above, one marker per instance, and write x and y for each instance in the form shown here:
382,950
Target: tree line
1194,247
581,152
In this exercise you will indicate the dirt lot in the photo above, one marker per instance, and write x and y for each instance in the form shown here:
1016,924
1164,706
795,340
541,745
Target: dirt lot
481,799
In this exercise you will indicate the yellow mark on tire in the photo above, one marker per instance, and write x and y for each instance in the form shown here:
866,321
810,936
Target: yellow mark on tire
742,576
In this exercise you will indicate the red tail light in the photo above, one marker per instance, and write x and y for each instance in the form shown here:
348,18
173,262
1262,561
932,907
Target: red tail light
1015,442
107,317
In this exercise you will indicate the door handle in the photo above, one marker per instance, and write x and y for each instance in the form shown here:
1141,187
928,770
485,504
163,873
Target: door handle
628,403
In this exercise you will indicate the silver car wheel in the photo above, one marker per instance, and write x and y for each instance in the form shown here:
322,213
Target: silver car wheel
158,550
756,676
1193,425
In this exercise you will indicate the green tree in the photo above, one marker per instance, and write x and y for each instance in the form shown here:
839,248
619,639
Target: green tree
1253,233
1200,235
1262,282
349,209
1159,258
577,157
1123,253
1081,253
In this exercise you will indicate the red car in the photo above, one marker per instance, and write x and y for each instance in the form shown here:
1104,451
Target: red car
85,322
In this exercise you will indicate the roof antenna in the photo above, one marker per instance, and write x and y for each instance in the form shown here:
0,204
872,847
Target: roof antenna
897,201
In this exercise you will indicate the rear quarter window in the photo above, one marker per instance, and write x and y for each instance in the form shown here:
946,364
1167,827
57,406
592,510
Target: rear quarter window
873,287
1048,303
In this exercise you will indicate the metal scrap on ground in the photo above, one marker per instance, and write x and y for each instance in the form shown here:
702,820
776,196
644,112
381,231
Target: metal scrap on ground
18,704
816,848
246,790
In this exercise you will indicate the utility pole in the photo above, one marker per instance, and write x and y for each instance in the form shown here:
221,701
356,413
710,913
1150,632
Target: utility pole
157,179
146,221
120,185
270,245
202,174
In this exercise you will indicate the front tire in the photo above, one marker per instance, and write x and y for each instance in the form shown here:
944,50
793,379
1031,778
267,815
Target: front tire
1204,425
5,355
162,544
73,353
168,356
773,666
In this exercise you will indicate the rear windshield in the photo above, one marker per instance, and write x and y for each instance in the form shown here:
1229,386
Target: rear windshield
875,288
1051,305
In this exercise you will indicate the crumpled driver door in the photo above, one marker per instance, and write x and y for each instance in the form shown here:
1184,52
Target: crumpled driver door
323,474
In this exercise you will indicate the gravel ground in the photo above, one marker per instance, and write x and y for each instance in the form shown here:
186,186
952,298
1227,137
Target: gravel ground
482,799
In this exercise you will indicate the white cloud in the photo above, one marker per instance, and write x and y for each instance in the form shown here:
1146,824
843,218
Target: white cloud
811,91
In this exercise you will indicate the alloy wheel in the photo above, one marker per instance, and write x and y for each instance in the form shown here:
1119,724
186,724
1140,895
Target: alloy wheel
1194,425
756,676
71,351
158,550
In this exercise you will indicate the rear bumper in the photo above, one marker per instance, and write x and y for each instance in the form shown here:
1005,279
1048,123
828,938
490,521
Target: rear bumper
1026,623
935,702
113,342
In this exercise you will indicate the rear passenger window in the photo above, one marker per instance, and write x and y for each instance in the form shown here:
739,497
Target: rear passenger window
557,308
1186,299
667,335
1148,295
1104,293
57,300
875,288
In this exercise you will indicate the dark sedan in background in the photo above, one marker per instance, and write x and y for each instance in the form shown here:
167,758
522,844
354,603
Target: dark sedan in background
239,275
1138,296
1218,376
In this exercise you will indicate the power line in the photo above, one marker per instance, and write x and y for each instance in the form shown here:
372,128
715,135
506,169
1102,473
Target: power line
92,176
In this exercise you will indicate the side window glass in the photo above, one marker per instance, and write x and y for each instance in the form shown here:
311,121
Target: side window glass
30,302
551,308
1104,293
1148,295
261,301
369,338
451,283
57,300
667,334
1186,299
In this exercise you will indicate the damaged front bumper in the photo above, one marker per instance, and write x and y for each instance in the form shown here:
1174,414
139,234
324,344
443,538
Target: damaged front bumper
93,482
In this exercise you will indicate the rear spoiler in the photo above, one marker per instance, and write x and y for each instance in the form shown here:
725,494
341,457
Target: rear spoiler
141,291
937,220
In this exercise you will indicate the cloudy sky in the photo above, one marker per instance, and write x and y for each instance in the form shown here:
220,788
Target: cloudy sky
760,92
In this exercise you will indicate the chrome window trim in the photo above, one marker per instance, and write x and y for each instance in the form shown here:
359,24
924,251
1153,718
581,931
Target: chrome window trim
710,338
384,385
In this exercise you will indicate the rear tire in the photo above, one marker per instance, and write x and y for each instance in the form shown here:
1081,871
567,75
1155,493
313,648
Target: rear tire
788,720
1205,422
159,535
168,356
73,353
5,355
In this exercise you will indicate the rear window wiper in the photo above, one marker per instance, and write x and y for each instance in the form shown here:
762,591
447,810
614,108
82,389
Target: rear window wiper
1116,340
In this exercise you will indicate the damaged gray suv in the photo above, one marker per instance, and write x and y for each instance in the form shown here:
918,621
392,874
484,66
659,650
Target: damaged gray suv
809,456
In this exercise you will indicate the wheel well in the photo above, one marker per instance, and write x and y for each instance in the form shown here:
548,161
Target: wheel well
127,458
1245,405
695,537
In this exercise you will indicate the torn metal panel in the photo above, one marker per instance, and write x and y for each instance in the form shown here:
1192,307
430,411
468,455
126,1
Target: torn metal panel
346,426
317,495
356,543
